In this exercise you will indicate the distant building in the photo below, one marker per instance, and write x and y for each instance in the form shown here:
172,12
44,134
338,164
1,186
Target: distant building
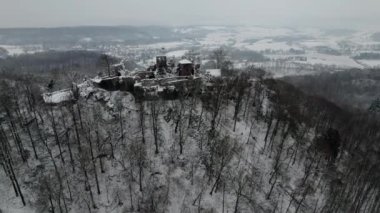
161,65
185,68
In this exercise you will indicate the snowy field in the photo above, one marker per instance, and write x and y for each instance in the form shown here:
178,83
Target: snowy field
18,50
13,50
332,60
317,46
177,53
370,63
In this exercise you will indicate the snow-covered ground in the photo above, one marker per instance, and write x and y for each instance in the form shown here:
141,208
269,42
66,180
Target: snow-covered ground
180,177
283,43
370,63
25,49
214,72
267,44
332,60
13,50
177,53
166,45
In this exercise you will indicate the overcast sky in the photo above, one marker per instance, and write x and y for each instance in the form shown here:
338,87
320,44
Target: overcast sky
295,13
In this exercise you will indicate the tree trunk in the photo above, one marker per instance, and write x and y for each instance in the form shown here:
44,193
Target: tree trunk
7,164
32,142
268,129
142,122
140,178
93,162
16,137
17,184
56,135
98,149
51,203
154,116
237,204
130,193
200,119
271,188
224,190
274,133
121,125
303,198
88,185
68,142
76,130
80,115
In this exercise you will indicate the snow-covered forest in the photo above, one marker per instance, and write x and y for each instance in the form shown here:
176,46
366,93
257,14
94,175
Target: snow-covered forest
246,144
244,106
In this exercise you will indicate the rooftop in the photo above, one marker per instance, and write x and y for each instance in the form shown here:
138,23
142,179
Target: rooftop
185,61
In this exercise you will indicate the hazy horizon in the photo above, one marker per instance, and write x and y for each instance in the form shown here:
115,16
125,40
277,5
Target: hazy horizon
348,14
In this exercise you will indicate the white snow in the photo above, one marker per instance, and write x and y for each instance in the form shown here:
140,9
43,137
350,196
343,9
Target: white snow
184,30
214,72
332,60
185,61
267,44
175,177
177,53
370,63
97,79
86,39
166,45
213,27
58,96
13,50
217,39
320,42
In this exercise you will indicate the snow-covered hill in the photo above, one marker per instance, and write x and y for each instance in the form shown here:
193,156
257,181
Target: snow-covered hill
185,155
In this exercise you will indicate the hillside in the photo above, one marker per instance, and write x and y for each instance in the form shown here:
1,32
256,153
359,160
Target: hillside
351,89
109,152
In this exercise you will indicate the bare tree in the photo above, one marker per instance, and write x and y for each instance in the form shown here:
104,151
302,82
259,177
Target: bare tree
119,108
154,112
55,131
68,141
214,100
221,153
240,86
138,159
5,159
219,55
241,182
142,121
93,160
